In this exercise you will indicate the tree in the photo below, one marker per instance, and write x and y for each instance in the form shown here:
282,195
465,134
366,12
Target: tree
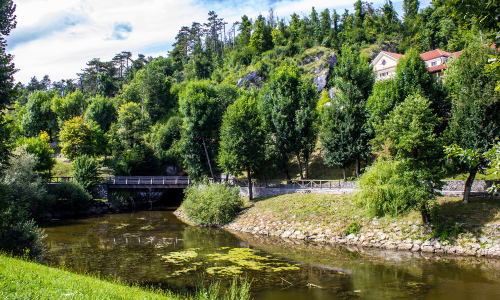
474,120
132,123
409,133
261,38
139,161
242,139
102,111
39,115
245,29
163,135
202,109
289,105
39,146
66,108
353,79
79,137
86,171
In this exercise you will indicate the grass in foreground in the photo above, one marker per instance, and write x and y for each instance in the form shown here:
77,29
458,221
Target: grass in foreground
28,280
20,279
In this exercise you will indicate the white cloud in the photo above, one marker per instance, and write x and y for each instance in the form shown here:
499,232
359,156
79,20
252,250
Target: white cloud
58,37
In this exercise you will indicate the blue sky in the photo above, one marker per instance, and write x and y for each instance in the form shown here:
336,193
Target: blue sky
58,37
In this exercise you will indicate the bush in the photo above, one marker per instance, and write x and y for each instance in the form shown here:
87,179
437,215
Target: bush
352,228
391,187
139,161
24,184
71,197
211,204
18,235
86,171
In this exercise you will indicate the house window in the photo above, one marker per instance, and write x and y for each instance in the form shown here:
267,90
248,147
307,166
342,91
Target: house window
383,62
433,64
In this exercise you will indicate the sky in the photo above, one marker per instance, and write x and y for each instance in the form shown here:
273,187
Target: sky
58,37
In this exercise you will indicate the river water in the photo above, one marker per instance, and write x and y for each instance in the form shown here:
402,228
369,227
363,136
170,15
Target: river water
156,248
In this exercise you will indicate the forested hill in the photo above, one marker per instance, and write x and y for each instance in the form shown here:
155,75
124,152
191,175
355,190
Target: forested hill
243,98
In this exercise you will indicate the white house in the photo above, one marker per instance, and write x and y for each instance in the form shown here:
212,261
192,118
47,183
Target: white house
384,65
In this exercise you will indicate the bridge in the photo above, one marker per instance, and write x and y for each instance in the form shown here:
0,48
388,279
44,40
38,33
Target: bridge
166,182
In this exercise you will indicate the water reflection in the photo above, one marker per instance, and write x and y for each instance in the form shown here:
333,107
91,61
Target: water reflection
154,247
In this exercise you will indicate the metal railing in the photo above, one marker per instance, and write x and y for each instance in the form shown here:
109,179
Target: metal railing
185,181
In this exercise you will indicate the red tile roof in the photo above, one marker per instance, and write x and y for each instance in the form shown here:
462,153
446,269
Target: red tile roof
434,54
436,68
396,55
456,54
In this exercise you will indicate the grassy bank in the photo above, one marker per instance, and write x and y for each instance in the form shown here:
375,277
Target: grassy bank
330,216
27,280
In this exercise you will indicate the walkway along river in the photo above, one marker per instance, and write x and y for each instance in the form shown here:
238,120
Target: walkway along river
154,247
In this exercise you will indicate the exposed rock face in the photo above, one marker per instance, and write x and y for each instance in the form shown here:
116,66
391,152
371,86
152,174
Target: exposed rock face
332,60
320,79
252,78
331,92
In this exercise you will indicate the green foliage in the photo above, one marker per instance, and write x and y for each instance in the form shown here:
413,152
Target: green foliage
39,146
79,137
132,124
203,110
392,187
474,121
71,197
163,135
138,161
39,115
382,100
102,111
24,183
289,108
73,105
352,228
18,235
86,171
211,204
410,131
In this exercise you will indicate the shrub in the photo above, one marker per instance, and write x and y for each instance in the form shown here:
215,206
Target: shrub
24,184
352,228
86,171
391,187
71,197
138,161
18,235
211,204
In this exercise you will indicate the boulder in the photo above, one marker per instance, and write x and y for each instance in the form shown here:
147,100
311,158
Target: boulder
332,60
249,77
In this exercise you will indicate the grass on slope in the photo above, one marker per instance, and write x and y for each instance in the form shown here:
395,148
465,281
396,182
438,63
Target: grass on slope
336,212
27,280
62,168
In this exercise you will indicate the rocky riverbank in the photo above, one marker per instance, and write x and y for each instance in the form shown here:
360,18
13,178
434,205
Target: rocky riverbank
476,233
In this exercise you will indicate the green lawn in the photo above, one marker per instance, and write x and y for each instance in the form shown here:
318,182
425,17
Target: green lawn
27,280
62,168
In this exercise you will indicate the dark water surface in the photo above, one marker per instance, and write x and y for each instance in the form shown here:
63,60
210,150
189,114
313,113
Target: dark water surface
154,247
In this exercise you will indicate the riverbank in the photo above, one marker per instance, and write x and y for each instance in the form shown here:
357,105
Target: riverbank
459,229
21,279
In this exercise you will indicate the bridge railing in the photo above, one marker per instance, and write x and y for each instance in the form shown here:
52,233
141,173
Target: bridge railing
185,181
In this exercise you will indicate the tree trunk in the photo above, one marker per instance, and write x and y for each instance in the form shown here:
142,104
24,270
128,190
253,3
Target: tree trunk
250,192
357,166
426,218
344,173
307,168
287,177
468,186
300,167
208,158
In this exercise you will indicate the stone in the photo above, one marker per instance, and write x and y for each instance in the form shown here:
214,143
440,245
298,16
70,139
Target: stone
437,245
417,242
391,247
405,247
350,236
429,249
332,60
320,79
415,248
483,239
249,77
286,234
459,250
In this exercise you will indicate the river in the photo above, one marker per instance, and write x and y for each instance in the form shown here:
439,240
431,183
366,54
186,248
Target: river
156,248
